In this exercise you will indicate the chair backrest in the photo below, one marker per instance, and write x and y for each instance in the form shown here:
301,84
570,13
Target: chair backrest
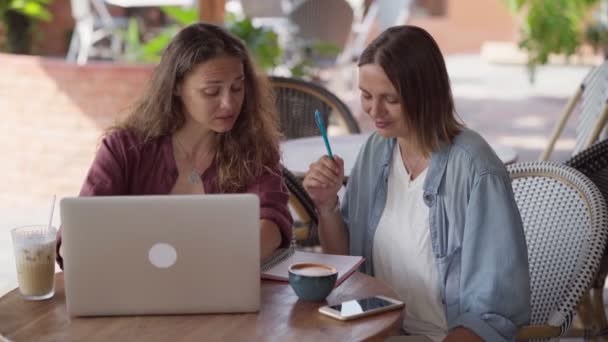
307,221
565,223
325,20
393,12
262,8
80,9
297,101
361,28
592,98
95,10
593,163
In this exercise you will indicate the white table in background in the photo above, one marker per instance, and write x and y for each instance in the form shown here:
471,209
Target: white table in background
150,3
298,154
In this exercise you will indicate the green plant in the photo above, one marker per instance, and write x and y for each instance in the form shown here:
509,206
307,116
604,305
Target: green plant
310,55
551,27
262,42
150,51
17,17
596,35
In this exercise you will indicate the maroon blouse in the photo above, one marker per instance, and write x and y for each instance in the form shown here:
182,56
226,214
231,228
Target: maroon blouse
124,165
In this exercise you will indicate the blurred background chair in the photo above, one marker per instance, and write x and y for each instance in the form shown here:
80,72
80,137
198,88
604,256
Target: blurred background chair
565,221
93,24
268,13
593,163
263,8
360,32
322,21
306,221
592,94
393,12
297,101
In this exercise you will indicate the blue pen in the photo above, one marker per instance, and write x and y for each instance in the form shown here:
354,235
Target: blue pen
319,121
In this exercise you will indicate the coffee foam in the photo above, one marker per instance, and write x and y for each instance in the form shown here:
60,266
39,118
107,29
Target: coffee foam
313,271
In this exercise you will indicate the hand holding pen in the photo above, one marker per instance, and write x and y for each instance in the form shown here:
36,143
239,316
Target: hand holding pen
325,176
321,125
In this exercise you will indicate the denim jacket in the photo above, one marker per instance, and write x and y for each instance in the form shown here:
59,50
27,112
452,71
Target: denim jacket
476,231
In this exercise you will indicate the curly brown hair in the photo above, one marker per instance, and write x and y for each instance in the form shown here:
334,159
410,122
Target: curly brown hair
243,152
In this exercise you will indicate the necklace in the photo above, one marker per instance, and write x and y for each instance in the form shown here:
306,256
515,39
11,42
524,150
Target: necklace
194,177
412,168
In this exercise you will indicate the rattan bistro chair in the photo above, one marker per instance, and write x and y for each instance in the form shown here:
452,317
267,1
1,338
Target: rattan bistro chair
592,94
564,217
593,163
297,101
306,222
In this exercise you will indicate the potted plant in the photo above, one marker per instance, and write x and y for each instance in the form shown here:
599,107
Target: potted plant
301,60
262,42
554,27
17,18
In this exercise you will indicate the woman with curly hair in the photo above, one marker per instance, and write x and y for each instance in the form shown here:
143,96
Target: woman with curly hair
206,124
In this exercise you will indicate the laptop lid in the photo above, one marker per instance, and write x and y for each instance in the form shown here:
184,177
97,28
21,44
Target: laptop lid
174,254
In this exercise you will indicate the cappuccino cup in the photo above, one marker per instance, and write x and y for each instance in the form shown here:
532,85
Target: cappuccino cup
312,282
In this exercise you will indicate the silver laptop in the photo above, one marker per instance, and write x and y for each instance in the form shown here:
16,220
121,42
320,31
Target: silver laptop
170,254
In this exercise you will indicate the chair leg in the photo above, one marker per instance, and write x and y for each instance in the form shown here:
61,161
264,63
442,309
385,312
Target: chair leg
585,315
562,122
599,126
585,310
116,46
599,313
73,49
85,36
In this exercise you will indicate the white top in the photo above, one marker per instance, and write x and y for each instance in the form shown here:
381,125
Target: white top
403,256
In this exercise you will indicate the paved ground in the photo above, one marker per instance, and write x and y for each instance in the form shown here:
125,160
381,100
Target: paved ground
498,101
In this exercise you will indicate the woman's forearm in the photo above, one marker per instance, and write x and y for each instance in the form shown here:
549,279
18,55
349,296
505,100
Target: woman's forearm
270,238
332,232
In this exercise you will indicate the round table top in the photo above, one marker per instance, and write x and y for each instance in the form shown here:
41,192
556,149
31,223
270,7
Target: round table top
282,317
298,154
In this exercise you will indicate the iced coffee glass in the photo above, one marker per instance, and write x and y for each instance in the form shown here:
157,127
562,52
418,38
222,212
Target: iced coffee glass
34,248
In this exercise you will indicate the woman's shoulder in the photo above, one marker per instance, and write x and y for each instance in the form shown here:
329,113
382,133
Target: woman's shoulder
375,152
375,145
470,149
128,140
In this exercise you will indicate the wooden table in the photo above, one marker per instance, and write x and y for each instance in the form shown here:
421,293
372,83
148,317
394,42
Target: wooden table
298,154
282,318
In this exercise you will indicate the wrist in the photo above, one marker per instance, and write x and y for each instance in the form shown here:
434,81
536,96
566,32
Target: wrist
330,209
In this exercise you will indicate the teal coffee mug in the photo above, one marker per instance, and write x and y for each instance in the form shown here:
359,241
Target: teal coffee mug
312,282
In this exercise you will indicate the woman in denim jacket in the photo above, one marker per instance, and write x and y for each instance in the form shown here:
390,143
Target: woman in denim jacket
428,203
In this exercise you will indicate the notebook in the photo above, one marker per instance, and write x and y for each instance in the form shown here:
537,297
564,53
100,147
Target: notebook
277,267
